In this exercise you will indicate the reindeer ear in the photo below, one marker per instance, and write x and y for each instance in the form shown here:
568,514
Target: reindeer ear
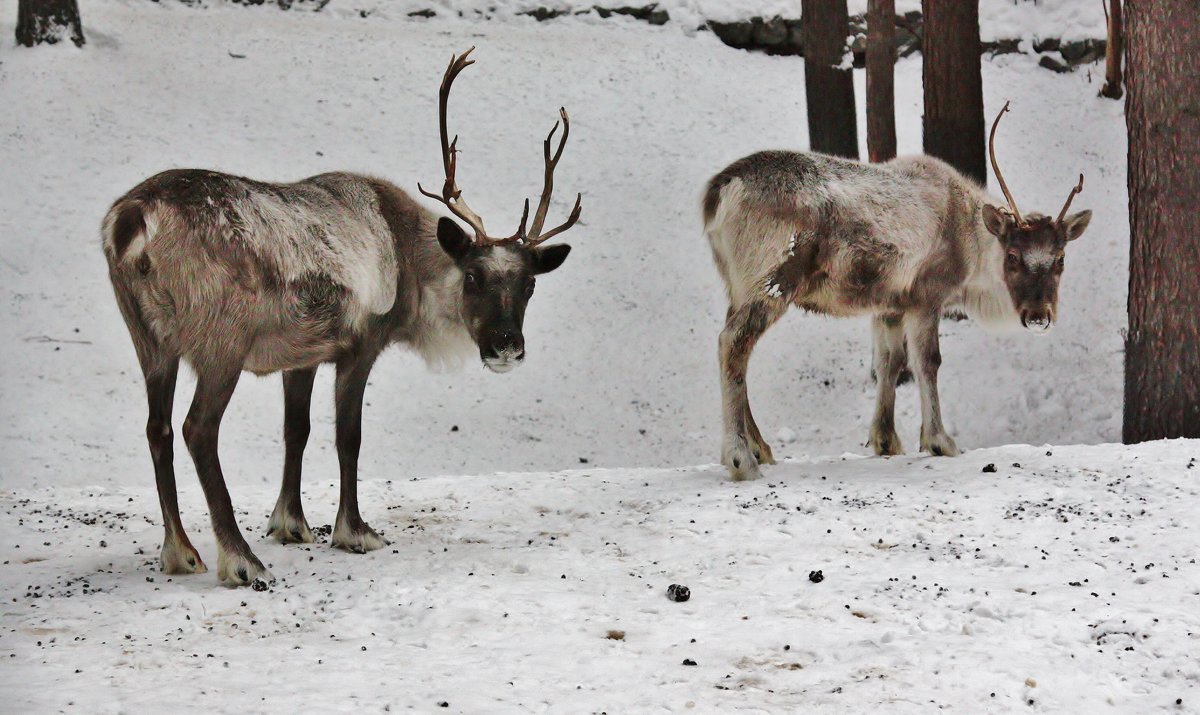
1075,224
548,258
997,221
453,239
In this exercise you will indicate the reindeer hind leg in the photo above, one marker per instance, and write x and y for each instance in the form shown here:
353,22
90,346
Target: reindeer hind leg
744,326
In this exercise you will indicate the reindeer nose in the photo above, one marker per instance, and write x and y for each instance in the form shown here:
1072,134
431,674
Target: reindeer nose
508,343
1036,320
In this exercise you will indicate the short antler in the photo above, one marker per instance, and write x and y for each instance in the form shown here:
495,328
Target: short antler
451,195
1012,205
539,219
1071,197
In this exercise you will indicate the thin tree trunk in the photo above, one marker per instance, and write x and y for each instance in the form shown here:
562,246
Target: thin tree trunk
48,21
829,78
881,92
953,123
1113,52
1162,346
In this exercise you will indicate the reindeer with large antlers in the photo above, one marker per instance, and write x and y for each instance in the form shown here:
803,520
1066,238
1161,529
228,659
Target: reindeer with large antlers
902,242
233,274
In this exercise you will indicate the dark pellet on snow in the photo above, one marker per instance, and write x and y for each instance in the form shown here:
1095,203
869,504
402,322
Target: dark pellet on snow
688,661
816,576
678,593
989,467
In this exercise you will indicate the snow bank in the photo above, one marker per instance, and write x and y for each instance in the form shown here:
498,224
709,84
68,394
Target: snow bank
998,19
1065,580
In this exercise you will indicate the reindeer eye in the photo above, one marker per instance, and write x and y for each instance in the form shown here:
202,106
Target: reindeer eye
1060,263
470,279
1012,261
529,288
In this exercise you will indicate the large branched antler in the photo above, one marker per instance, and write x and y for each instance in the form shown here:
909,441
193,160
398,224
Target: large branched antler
539,219
1012,204
451,195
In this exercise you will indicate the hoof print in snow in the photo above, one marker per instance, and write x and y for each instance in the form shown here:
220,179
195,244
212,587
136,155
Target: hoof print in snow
688,661
988,468
678,593
816,576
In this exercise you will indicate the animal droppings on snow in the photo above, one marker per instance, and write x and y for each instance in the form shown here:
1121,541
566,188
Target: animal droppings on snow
615,635
816,576
988,468
678,593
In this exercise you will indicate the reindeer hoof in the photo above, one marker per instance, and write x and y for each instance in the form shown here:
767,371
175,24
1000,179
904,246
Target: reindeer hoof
739,459
762,453
886,444
234,569
941,445
287,528
180,558
358,540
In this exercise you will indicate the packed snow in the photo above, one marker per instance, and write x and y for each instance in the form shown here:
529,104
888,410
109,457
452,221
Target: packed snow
998,19
1056,578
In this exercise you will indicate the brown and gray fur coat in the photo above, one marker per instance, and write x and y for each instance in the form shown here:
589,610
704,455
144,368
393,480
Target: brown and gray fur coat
300,270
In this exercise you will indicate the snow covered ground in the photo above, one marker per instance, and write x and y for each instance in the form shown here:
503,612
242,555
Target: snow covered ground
1065,581
620,386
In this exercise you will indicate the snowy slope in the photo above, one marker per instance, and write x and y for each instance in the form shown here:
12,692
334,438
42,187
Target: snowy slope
1066,584
622,339
998,19
944,586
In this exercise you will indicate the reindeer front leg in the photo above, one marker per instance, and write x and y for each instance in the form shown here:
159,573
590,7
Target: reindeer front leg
743,448
350,532
287,524
888,337
921,330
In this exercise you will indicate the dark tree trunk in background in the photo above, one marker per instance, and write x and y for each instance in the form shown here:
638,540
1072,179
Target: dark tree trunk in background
881,91
48,21
829,89
953,85
1113,52
1162,347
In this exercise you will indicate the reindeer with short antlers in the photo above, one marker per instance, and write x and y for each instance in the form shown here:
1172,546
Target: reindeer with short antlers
902,242
233,274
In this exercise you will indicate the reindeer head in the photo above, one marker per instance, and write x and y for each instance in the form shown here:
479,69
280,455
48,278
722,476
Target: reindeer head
498,273
1034,246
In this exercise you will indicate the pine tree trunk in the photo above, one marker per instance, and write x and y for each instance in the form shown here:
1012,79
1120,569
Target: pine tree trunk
1113,52
953,122
48,21
881,91
1162,346
829,78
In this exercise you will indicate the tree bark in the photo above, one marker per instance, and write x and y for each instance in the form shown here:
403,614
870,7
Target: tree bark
48,21
829,78
1113,52
881,90
1162,113
953,122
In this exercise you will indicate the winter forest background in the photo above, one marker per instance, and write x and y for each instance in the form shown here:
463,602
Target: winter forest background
537,518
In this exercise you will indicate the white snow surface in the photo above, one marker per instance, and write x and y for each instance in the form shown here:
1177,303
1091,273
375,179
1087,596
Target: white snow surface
943,584
998,19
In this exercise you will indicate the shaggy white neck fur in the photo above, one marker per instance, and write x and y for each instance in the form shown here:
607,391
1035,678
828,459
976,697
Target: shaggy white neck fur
985,297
